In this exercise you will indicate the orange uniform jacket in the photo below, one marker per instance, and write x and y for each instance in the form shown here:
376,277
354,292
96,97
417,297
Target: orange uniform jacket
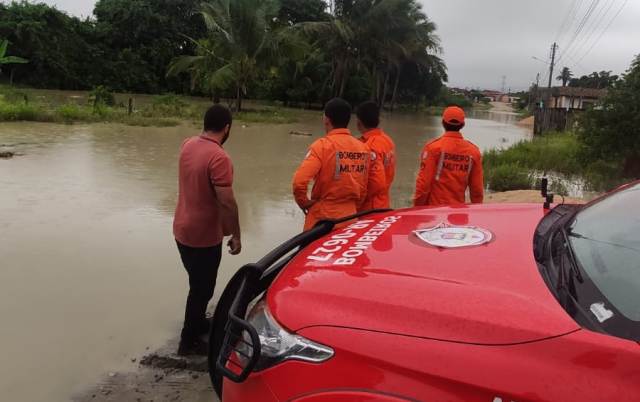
448,166
384,148
339,166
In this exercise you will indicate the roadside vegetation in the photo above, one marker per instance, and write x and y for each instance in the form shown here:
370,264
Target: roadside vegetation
102,106
603,151
299,53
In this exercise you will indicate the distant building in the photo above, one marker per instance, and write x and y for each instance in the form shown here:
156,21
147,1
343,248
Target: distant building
571,98
492,96
459,91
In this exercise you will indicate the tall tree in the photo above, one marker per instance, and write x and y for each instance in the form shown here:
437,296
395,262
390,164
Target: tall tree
597,80
240,39
295,11
59,48
565,76
375,37
140,39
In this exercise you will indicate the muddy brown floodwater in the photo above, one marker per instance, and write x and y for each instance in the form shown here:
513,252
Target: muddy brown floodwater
89,273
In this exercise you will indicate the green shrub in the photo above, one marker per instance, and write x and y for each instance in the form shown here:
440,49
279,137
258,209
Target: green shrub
70,113
102,95
171,105
554,152
21,112
603,175
12,95
508,177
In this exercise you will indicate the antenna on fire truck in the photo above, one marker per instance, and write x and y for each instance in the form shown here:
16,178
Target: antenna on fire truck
546,194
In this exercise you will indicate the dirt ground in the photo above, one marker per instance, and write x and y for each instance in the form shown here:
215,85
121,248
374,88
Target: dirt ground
527,122
161,376
524,196
501,107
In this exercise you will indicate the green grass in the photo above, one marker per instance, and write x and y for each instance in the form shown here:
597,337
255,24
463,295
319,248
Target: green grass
274,116
73,113
508,177
513,168
22,112
158,111
556,153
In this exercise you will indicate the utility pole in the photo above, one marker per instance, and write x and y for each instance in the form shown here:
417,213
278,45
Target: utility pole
504,83
554,48
537,88
533,93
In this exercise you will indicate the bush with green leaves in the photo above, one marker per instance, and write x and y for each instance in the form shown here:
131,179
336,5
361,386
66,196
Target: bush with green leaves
611,132
102,95
11,111
552,152
171,105
71,113
508,177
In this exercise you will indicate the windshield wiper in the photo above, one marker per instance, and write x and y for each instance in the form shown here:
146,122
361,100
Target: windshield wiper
573,262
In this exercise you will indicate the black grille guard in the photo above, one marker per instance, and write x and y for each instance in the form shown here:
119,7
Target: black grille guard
229,326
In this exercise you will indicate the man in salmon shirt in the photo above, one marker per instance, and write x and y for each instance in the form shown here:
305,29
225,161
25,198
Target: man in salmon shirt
339,166
449,165
205,214
382,145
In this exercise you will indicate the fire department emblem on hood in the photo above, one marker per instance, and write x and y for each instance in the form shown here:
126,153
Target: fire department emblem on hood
447,236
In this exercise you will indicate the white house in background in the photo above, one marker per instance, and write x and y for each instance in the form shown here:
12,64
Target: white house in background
572,97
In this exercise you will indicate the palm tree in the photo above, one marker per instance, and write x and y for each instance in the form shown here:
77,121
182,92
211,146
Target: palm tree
6,60
240,39
565,76
421,47
338,39
378,36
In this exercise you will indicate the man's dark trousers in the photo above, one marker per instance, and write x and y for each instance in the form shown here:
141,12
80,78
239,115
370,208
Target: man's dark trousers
202,266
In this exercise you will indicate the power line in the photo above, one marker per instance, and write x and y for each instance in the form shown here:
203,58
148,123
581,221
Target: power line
566,19
593,28
580,28
604,31
575,63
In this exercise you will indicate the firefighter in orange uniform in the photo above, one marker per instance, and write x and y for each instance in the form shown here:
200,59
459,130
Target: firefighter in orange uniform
339,166
384,150
449,165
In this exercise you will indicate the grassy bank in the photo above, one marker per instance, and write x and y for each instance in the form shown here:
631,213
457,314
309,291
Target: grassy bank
71,113
159,111
560,154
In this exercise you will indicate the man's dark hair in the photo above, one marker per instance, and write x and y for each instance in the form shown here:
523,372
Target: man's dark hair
369,114
452,127
339,112
217,118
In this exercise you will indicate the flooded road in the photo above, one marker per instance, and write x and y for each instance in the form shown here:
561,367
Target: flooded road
89,273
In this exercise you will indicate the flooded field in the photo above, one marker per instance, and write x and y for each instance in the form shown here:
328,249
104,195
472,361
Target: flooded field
89,273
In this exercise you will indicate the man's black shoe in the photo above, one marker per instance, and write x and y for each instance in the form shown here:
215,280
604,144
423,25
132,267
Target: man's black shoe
193,348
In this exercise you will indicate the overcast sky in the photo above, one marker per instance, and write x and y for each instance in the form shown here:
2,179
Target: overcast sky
486,40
